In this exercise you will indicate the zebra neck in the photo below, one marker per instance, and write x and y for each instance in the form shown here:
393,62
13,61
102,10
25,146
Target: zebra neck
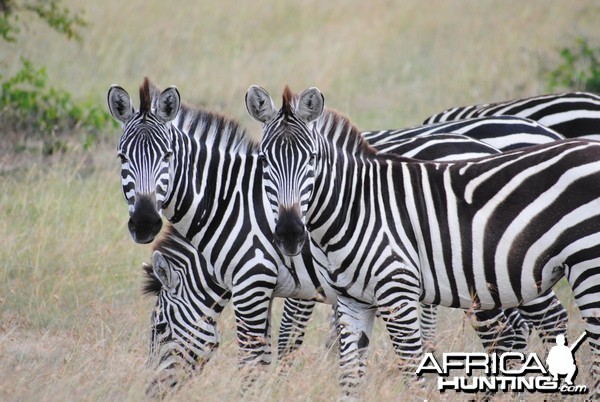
214,157
350,199
217,186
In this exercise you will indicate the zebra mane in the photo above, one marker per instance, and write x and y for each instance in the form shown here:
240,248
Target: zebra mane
148,95
289,101
336,126
341,132
214,129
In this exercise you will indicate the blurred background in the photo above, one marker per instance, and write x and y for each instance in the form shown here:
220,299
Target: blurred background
73,322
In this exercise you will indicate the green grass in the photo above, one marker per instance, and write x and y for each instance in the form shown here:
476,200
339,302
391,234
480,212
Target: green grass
73,322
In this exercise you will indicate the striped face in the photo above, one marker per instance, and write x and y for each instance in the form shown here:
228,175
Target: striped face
184,331
288,153
145,150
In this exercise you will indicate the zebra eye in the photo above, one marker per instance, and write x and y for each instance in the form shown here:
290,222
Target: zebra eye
161,327
122,157
313,157
262,158
167,156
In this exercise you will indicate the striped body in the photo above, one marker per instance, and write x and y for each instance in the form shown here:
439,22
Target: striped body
504,133
573,114
486,233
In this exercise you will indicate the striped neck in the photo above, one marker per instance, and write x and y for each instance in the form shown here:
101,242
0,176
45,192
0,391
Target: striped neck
210,152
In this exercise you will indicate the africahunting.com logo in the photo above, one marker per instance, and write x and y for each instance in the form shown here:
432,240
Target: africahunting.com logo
512,371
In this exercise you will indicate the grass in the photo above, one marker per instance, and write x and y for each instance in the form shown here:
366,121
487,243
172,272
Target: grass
73,323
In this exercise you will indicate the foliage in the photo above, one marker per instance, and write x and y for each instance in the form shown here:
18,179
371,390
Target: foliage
27,102
61,19
579,70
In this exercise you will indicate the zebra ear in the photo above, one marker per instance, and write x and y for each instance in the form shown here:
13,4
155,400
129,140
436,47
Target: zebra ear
164,272
119,104
259,104
169,102
310,104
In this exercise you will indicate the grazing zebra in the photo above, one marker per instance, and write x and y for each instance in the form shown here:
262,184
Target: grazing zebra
573,114
184,331
480,234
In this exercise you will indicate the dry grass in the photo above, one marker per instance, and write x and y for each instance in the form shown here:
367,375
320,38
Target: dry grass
73,324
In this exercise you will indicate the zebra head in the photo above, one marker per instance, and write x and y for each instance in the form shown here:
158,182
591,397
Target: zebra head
183,332
288,153
145,150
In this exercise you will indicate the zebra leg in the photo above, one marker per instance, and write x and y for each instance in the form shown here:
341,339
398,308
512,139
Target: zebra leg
296,313
404,329
428,317
252,309
547,315
521,327
584,279
494,330
334,336
355,324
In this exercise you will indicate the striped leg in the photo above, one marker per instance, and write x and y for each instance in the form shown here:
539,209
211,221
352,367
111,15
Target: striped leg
296,314
355,324
494,330
402,324
547,315
428,315
584,279
428,319
252,308
332,341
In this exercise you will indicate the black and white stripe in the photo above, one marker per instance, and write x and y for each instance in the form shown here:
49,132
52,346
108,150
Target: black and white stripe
212,194
572,114
481,234
184,331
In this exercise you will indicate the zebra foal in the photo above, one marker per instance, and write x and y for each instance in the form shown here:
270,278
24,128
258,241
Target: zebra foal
480,234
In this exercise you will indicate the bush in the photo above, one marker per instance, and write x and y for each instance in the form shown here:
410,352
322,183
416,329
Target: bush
28,104
579,70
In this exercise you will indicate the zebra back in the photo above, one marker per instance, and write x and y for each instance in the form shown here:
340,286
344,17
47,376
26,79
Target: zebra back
572,114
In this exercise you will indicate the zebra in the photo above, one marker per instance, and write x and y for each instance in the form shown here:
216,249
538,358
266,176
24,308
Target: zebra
184,332
478,234
498,332
572,114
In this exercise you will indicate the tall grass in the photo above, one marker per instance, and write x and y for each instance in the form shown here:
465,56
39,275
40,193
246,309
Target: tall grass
73,323
387,64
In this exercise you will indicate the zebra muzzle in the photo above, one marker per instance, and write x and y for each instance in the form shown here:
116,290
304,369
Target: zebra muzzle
290,233
144,221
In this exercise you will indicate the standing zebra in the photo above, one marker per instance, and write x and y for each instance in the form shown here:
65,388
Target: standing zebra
477,234
573,114
497,331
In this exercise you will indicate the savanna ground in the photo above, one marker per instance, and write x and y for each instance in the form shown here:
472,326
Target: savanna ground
73,322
